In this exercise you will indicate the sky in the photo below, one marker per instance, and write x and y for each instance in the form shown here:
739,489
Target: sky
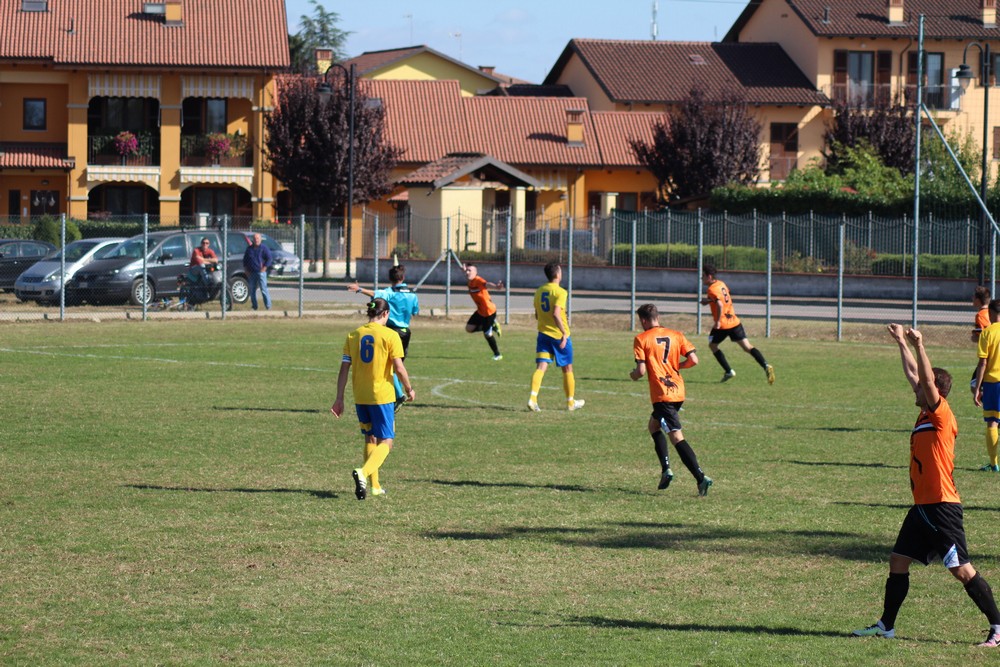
521,39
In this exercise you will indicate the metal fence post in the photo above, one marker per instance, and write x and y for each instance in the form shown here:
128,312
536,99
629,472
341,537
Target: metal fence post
770,257
916,268
701,265
374,254
632,287
993,262
506,271
668,237
840,279
302,260
62,267
569,271
225,265
145,273
447,267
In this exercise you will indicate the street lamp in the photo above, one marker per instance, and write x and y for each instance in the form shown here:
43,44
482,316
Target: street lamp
325,90
965,77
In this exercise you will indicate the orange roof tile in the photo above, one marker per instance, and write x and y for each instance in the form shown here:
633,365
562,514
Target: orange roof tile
530,130
15,155
615,129
243,34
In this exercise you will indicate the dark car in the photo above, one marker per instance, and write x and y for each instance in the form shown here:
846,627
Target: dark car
118,277
16,255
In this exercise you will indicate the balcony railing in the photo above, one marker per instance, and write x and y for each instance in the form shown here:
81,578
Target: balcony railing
781,166
101,149
865,95
225,150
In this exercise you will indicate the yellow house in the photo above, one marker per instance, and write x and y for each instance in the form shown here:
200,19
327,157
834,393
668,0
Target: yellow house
422,63
863,51
629,76
149,107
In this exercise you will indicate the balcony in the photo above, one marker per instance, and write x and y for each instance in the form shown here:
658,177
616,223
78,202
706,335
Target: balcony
869,95
103,149
940,98
224,150
781,166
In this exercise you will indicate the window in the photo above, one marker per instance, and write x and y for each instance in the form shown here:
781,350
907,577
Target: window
14,203
175,247
936,95
861,77
784,149
34,5
204,115
34,114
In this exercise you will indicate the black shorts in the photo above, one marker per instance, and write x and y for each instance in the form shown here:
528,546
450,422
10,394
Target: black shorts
735,334
668,413
404,335
933,531
481,322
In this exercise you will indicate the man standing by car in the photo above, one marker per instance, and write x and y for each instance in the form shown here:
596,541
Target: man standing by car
256,261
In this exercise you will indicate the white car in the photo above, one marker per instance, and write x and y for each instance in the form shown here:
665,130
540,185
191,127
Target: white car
43,282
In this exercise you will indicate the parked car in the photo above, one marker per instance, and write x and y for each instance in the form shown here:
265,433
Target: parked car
285,263
118,276
17,255
42,283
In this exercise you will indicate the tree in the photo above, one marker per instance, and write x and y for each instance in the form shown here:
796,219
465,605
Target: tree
888,128
318,31
704,144
308,140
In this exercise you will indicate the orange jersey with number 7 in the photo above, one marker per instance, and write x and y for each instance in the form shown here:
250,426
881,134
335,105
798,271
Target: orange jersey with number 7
661,349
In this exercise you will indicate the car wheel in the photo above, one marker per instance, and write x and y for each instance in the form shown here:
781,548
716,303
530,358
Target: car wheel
141,292
239,289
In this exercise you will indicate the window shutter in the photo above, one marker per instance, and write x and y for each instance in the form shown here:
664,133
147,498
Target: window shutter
996,143
840,67
911,69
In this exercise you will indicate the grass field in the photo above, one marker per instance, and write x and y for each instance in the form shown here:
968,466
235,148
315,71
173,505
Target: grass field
178,493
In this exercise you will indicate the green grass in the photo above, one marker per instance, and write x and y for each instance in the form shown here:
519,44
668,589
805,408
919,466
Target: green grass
178,493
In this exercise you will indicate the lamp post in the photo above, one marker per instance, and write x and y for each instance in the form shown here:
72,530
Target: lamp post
965,77
325,90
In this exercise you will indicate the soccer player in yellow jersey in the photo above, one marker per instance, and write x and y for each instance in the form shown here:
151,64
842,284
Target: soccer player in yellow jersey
986,383
933,527
658,353
553,344
725,324
371,353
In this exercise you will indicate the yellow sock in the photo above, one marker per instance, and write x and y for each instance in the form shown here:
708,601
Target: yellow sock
536,382
369,448
991,445
569,385
376,460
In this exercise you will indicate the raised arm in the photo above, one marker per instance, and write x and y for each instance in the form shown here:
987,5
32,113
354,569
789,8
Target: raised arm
897,333
925,372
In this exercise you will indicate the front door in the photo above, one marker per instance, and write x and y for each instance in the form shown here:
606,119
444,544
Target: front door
44,202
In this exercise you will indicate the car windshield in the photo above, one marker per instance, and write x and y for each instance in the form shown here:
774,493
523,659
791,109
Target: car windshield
131,249
270,243
74,251
106,251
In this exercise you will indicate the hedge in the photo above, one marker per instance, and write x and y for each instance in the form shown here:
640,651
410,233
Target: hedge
685,256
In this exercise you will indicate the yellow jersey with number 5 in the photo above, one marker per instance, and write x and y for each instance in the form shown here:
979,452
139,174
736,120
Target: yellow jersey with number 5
371,349
547,297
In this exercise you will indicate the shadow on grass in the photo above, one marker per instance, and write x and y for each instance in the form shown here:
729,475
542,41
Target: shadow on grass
845,464
506,485
470,406
244,408
843,429
323,495
602,622
695,538
892,506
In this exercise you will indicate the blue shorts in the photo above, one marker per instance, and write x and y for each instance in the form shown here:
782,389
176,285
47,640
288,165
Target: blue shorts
547,350
377,420
991,402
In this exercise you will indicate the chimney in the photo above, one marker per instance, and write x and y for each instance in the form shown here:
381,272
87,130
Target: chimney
487,69
989,13
895,12
574,127
174,12
324,58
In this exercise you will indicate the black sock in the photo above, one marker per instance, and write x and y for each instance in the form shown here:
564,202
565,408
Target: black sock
721,358
492,341
690,460
662,453
982,595
755,353
896,588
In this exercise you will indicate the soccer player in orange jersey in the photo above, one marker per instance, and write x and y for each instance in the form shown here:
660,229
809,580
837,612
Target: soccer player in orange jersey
933,527
485,317
725,324
981,302
658,353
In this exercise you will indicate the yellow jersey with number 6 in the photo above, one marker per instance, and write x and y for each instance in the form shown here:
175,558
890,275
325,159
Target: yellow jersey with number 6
547,297
371,349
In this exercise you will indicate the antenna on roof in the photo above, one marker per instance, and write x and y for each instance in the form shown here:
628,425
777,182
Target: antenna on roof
458,36
652,24
409,17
